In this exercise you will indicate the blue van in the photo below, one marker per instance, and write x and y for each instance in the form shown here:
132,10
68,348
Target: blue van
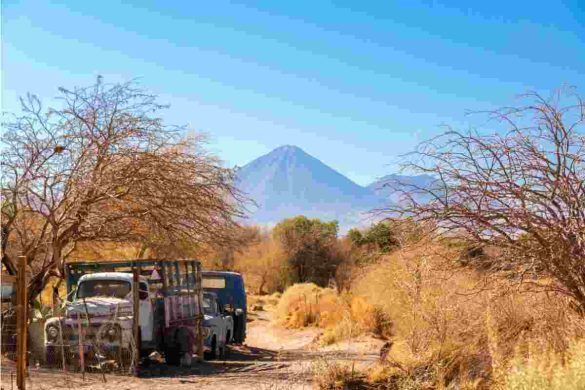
229,287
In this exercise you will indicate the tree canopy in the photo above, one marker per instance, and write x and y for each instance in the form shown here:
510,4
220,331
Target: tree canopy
309,245
104,166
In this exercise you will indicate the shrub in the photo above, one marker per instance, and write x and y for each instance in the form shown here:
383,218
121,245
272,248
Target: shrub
546,370
451,326
307,304
337,376
341,316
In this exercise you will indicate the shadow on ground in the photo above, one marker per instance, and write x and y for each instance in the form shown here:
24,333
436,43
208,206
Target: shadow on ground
237,359
242,359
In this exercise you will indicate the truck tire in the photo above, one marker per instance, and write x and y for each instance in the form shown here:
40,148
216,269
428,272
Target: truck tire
212,354
173,356
54,356
239,324
126,356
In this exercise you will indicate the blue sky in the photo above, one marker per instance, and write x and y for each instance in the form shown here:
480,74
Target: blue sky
356,84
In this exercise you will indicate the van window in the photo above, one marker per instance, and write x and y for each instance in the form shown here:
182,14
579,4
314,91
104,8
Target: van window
213,282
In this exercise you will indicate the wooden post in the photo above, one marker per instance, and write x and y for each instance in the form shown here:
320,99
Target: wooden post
21,323
199,297
80,345
136,318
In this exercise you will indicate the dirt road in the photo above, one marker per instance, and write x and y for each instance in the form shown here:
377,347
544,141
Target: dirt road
273,358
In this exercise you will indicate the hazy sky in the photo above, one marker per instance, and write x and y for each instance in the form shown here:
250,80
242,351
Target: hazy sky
353,83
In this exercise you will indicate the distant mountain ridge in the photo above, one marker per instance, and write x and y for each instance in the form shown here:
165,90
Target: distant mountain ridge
386,186
288,182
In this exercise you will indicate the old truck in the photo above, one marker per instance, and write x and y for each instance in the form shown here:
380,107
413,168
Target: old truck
99,320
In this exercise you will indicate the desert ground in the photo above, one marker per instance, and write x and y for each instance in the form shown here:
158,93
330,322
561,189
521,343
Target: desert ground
271,358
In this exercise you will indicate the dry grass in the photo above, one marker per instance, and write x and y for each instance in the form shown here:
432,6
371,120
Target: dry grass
447,331
337,376
341,316
263,302
547,370
306,304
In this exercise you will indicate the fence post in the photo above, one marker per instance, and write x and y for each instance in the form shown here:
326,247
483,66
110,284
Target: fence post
199,297
136,318
21,323
80,345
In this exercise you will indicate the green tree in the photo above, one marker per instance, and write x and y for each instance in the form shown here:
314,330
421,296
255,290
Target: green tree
380,237
310,248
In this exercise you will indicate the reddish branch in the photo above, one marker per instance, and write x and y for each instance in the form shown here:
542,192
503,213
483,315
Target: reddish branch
520,187
105,167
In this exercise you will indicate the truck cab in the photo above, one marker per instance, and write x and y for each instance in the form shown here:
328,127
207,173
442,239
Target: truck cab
102,305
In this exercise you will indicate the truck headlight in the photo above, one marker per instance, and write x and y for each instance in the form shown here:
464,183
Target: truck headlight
52,333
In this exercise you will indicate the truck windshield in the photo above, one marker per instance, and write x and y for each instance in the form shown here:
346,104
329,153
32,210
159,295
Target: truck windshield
103,288
208,306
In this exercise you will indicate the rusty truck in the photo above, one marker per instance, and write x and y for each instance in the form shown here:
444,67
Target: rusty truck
100,319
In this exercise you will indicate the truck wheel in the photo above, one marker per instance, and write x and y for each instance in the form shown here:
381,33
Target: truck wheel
126,356
54,357
239,324
214,350
173,356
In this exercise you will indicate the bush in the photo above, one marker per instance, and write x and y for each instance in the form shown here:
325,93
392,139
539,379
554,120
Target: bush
452,326
545,370
307,304
337,376
341,316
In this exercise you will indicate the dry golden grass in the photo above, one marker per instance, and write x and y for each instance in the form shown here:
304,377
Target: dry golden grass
451,328
336,376
341,316
547,370
306,304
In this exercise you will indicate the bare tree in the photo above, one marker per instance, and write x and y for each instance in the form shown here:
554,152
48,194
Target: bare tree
105,167
520,188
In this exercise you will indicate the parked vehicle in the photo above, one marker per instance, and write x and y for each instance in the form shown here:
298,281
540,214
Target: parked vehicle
7,308
7,282
229,288
218,326
102,307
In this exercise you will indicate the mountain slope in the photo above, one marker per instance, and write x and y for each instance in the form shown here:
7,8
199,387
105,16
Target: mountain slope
387,184
288,182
